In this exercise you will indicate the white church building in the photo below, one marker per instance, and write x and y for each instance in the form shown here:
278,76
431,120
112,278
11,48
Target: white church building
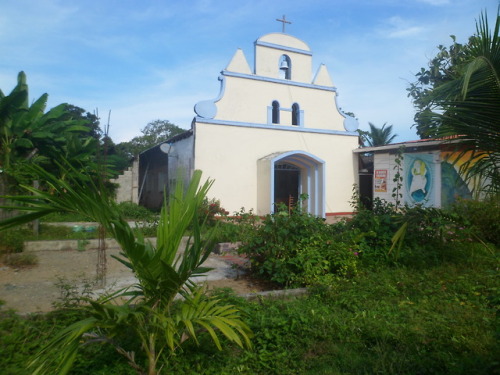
273,133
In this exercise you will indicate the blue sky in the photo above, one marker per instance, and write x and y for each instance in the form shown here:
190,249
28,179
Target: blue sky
155,59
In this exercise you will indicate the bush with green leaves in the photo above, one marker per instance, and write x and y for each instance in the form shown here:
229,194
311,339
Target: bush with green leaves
18,260
12,240
132,211
370,231
211,211
294,248
482,216
237,228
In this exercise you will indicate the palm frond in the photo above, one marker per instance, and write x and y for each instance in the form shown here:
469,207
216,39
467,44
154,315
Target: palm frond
467,108
162,272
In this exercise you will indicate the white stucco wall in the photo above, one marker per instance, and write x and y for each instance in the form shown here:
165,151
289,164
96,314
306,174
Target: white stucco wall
181,160
229,155
267,58
386,162
247,100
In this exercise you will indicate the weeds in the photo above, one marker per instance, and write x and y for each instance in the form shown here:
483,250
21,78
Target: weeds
19,260
73,293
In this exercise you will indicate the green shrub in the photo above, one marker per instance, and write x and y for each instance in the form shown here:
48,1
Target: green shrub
73,293
433,236
238,228
370,232
132,211
211,212
129,210
12,240
295,248
483,216
64,217
20,259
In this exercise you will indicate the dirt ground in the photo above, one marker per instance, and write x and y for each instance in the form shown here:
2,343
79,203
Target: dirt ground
36,288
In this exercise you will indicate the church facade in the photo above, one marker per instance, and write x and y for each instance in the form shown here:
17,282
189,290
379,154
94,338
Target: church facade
273,135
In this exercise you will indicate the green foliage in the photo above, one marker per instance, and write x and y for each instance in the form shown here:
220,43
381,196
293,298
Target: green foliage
28,135
132,211
63,217
22,336
211,212
129,211
73,294
18,260
482,216
370,231
465,107
398,177
377,136
438,318
12,240
442,68
295,248
417,236
154,133
237,228
146,316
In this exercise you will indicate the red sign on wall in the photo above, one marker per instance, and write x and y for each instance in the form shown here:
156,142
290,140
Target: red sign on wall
380,181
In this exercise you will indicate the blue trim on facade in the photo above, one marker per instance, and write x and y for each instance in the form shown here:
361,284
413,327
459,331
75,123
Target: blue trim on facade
283,48
349,121
275,127
222,89
317,189
280,81
207,108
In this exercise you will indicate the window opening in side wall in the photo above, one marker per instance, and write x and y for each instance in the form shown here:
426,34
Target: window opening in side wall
276,112
295,114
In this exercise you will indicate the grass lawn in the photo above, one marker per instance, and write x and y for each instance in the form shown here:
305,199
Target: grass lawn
387,320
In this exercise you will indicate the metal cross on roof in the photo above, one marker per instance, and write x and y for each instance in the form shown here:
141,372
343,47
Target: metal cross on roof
284,22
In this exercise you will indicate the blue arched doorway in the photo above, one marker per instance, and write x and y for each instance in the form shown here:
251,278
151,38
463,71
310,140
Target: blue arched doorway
287,175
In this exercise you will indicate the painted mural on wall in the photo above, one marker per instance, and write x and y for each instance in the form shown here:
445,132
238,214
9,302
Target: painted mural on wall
453,186
419,179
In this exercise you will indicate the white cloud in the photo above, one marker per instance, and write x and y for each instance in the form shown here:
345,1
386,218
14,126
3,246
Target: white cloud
397,27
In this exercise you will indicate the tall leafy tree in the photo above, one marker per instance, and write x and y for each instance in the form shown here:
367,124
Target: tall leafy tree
377,136
153,133
442,68
28,133
467,108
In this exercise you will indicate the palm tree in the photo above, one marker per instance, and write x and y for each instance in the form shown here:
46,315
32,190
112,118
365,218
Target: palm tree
150,316
378,136
467,109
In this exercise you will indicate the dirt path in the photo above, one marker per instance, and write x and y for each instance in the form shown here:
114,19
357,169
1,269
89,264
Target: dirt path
35,289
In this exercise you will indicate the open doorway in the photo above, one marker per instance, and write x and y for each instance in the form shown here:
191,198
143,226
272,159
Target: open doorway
286,185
